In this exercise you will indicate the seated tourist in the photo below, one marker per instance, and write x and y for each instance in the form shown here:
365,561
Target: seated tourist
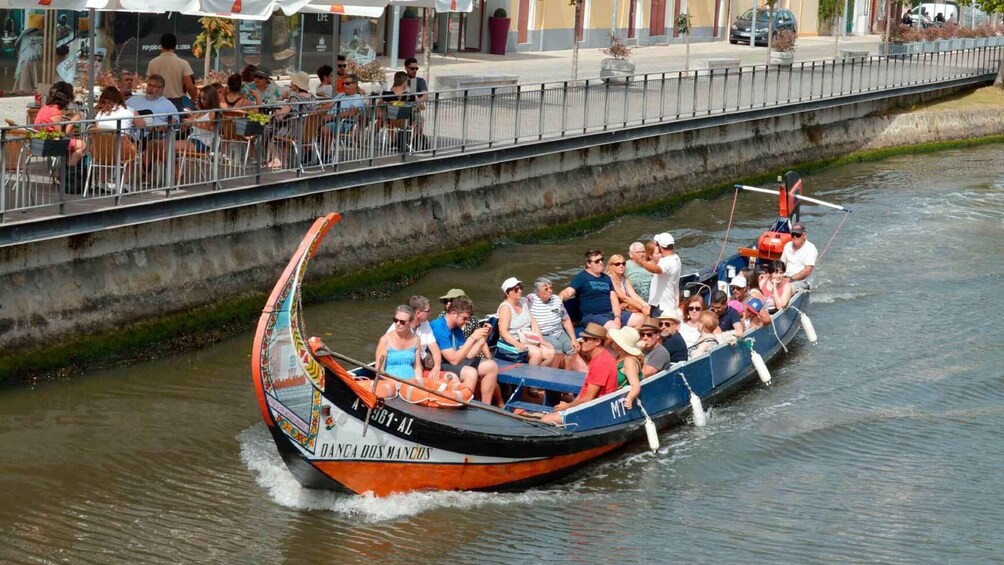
691,327
111,113
153,103
597,300
460,354
431,356
669,335
624,345
754,315
656,357
739,288
707,339
260,90
728,318
59,100
397,352
202,123
776,289
634,309
233,98
752,277
325,89
601,376
555,325
347,109
518,331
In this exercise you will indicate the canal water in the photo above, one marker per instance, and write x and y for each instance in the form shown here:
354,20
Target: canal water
881,443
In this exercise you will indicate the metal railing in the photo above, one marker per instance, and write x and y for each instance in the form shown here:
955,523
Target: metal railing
126,164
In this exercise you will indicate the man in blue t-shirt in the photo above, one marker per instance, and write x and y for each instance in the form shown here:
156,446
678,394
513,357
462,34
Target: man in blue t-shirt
460,354
597,300
728,318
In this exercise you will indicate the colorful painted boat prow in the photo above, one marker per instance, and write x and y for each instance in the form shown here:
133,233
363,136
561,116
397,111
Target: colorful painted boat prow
334,434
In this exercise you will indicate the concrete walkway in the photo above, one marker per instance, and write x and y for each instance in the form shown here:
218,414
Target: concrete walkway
557,65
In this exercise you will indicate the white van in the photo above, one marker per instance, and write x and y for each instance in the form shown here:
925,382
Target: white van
950,11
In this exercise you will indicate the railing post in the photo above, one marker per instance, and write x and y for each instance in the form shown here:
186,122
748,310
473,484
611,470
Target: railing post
850,89
170,138
585,108
463,123
491,117
679,92
435,124
693,98
519,102
540,115
564,108
662,97
644,99
627,85
711,89
118,163
606,103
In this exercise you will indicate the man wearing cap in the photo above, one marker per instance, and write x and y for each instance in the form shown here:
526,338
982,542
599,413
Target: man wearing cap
597,299
728,318
656,357
664,292
601,377
460,353
669,324
738,286
176,71
799,256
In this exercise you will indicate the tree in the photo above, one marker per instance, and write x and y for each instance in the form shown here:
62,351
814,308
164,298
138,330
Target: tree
217,33
770,28
682,25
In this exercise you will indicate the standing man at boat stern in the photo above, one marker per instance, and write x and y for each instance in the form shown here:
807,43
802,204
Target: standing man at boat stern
460,354
799,257
664,292
601,378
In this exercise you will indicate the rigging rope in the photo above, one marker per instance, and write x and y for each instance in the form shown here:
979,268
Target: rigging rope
735,198
833,236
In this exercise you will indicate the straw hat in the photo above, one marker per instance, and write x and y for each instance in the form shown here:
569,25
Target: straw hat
300,80
594,331
673,314
627,339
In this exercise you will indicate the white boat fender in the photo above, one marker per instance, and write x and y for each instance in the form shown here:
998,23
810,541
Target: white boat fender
650,431
700,418
761,367
810,331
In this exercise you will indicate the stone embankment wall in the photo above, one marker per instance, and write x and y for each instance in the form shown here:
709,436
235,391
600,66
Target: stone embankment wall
96,283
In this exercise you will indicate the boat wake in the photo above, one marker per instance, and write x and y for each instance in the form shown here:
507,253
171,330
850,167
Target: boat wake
259,455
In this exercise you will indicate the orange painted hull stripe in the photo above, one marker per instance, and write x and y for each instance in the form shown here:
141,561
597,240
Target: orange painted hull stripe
383,478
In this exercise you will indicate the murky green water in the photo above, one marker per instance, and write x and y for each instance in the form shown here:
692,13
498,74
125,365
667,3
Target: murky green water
881,443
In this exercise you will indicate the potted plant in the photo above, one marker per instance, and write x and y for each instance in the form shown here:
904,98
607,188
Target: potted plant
782,50
408,33
49,144
617,63
896,41
251,125
683,24
498,29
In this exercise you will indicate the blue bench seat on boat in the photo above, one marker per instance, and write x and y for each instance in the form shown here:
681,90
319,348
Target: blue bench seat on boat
541,377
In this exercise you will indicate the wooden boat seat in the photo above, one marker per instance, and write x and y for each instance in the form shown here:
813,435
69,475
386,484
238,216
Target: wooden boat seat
749,252
547,378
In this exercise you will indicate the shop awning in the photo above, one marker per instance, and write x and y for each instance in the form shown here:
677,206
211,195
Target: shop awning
146,6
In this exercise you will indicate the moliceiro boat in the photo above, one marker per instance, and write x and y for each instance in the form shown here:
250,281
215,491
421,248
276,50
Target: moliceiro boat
337,430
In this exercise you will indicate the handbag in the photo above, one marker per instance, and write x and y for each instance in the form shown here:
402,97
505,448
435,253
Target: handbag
507,352
428,362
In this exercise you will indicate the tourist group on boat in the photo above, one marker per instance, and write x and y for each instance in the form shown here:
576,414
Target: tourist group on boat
630,322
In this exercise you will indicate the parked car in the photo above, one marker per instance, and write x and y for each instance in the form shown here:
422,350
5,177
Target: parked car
740,30
949,13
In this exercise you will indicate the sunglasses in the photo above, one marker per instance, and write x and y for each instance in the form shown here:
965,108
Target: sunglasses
402,322
694,308
518,287
348,83
619,264
797,235
342,66
647,334
666,324
600,260
412,68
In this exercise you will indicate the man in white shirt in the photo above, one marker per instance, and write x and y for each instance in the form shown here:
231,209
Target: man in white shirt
799,257
664,293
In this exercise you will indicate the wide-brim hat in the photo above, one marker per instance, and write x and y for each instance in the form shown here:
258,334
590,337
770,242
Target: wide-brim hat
262,74
650,324
594,331
453,293
626,339
673,314
300,80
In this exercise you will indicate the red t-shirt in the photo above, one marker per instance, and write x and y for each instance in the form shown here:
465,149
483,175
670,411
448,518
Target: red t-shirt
602,373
